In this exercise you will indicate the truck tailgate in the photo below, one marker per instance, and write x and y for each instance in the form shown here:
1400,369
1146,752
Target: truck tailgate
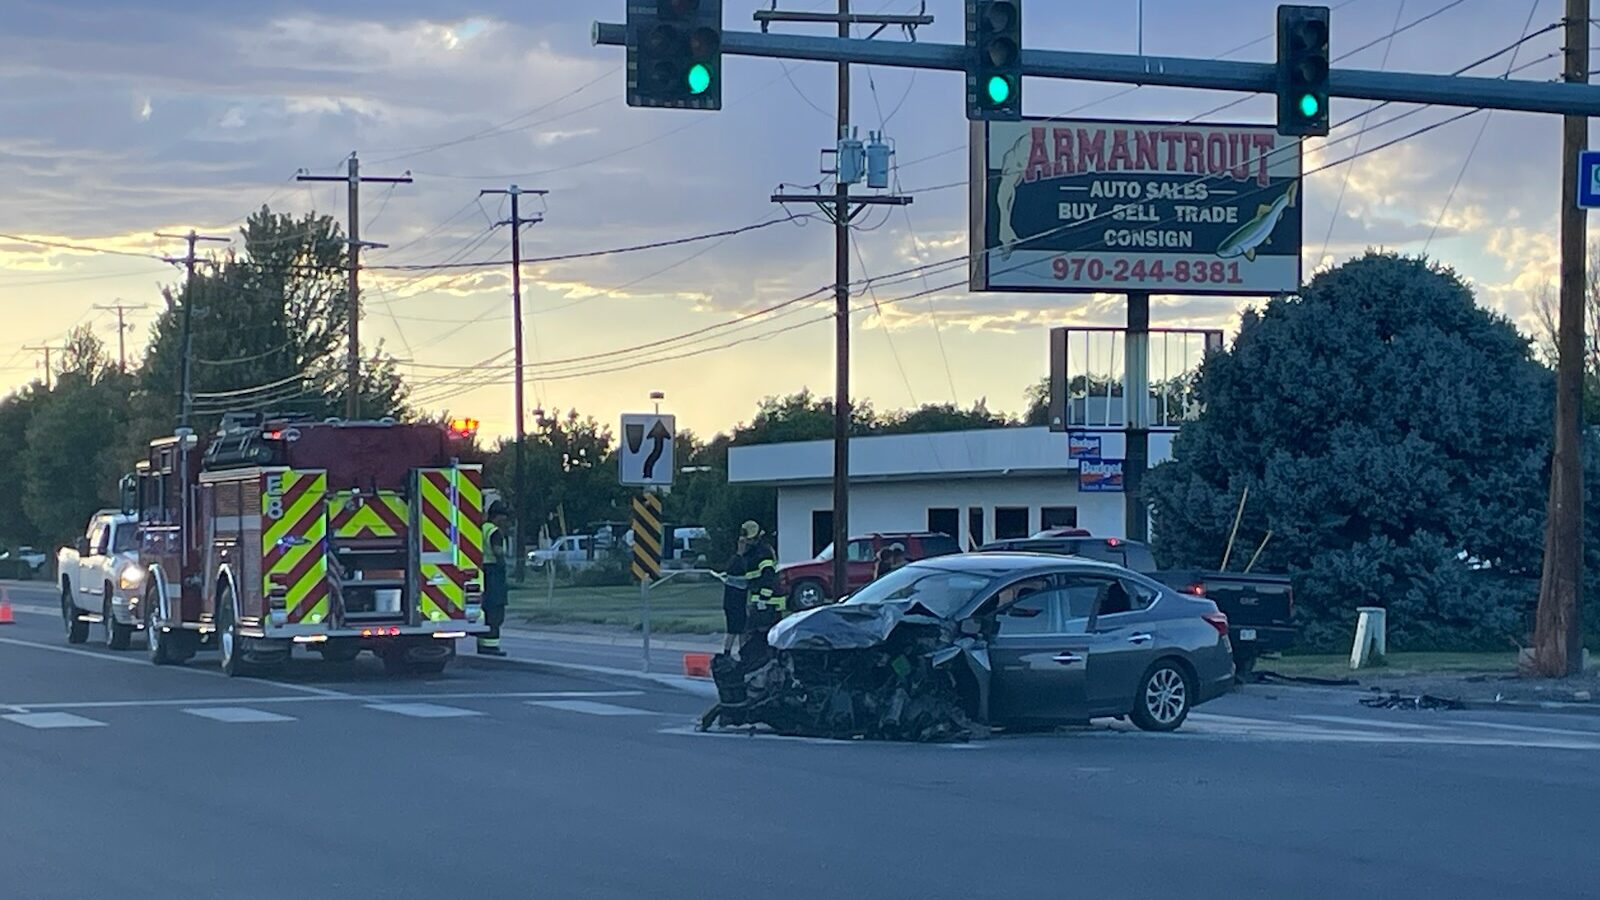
1251,601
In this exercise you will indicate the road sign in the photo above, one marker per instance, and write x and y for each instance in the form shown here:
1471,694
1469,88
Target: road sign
647,459
1100,476
647,538
1097,205
1589,179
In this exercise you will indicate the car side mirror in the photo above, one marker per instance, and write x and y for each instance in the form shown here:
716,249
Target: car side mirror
81,545
971,628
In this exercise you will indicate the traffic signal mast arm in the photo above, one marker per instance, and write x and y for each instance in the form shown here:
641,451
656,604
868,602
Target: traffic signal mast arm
1362,84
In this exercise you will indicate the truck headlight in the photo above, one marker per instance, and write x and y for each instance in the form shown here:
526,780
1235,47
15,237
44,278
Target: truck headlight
131,577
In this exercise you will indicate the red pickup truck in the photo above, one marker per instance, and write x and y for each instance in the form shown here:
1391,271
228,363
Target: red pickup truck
810,583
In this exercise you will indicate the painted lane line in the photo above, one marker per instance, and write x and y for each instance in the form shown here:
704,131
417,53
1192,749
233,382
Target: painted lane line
300,698
237,714
1369,723
1530,729
423,710
52,720
589,707
141,661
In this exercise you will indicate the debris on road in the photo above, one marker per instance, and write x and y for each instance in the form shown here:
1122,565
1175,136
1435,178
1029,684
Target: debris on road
853,674
1397,700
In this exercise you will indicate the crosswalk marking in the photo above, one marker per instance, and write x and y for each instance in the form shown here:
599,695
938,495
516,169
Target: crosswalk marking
237,714
52,720
423,710
591,707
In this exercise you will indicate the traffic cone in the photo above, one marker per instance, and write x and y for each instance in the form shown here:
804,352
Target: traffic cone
6,616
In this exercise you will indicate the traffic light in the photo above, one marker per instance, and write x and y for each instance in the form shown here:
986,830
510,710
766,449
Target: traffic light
1302,70
675,53
994,60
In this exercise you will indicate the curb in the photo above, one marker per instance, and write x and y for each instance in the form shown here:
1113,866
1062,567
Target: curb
631,640
697,686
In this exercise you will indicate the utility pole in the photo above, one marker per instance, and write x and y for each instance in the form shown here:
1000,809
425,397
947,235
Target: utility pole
1558,631
122,332
46,350
186,360
842,210
354,179
516,222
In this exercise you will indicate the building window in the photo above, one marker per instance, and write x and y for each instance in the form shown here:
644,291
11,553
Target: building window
1010,522
821,530
1058,517
945,521
974,527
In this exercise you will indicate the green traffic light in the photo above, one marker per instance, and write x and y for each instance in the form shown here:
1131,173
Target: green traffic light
699,79
1309,106
999,89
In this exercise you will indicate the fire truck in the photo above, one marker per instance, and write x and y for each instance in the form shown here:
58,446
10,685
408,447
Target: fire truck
341,536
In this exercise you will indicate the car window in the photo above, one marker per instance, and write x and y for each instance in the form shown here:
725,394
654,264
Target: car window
939,545
859,551
944,592
126,539
1099,551
1033,612
97,540
1140,596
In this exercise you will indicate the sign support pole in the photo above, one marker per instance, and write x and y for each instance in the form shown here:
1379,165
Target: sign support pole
1136,397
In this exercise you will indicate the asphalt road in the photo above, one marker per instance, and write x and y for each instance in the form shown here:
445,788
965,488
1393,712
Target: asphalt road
119,779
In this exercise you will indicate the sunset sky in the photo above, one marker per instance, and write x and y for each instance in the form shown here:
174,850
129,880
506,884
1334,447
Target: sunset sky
120,118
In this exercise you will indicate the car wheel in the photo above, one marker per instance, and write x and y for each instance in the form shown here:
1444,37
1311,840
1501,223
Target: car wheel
118,635
1165,695
807,595
77,629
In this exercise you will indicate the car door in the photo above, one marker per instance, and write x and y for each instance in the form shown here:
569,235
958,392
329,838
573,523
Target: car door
860,563
1039,653
1127,637
88,575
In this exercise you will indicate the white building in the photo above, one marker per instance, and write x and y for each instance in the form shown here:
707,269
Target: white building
974,485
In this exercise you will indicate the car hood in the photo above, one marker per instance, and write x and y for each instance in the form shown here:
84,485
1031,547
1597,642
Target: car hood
845,626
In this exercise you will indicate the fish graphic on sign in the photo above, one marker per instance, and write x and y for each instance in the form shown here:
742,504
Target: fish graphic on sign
1258,230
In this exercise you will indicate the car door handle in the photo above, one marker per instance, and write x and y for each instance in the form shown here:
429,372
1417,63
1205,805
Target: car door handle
1140,638
1067,659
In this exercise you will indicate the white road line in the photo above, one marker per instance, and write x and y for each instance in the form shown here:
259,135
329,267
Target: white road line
592,708
301,698
52,720
1369,723
237,714
1530,729
143,661
423,710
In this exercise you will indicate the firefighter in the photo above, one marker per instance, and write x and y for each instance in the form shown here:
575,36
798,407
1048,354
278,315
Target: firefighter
767,606
889,558
496,589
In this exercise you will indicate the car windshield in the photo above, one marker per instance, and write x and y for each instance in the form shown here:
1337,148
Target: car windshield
126,540
945,592
826,554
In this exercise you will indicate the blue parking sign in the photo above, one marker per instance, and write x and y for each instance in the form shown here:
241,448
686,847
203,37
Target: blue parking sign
1589,179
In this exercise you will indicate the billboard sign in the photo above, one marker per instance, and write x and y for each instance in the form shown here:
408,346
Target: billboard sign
1083,446
1100,476
1094,205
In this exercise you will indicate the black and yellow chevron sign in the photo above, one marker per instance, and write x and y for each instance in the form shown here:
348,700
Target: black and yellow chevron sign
647,538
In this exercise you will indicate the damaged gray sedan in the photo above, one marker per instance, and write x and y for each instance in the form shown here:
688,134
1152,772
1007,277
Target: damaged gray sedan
945,648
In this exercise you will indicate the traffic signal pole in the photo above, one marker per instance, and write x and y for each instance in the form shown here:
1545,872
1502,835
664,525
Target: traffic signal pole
1562,98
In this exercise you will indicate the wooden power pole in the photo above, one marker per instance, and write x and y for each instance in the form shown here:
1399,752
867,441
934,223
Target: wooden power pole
186,348
352,365
1558,631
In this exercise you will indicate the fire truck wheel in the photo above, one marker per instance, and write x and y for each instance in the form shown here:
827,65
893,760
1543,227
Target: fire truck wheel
394,663
166,648
339,653
229,643
77,629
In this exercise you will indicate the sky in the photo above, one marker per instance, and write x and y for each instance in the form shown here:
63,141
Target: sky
122,118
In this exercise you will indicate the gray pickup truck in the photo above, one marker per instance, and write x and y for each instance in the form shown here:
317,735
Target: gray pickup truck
1260,608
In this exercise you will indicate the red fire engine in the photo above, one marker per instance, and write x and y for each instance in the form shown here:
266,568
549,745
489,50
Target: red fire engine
341,536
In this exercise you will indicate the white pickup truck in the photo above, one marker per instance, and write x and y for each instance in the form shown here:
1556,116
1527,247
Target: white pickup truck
101,579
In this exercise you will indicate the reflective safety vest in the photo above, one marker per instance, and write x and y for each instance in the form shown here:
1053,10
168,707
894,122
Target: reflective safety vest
763,580
493,541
